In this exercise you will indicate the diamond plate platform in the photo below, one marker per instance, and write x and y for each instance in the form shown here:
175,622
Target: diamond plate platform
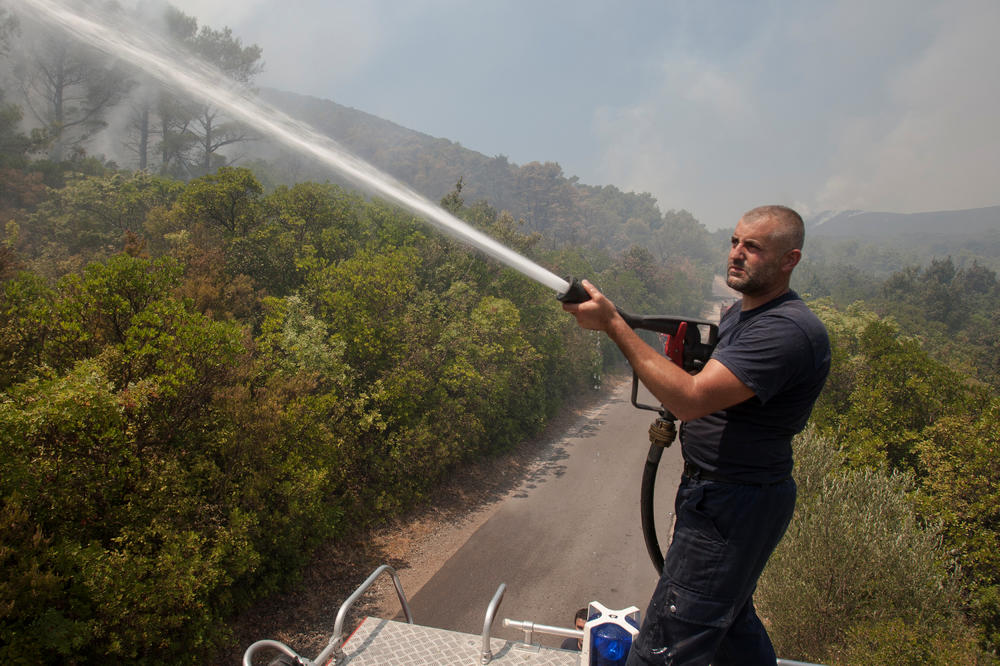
378,642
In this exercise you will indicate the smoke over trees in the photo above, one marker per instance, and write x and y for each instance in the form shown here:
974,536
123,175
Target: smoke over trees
69,88
74,92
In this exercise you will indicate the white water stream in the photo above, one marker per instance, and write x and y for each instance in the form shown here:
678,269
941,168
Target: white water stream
144,49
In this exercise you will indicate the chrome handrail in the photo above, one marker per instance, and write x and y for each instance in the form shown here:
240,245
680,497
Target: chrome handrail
276,645
530,628
491,613
334,648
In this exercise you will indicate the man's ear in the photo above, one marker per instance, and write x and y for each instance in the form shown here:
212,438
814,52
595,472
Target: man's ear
791,260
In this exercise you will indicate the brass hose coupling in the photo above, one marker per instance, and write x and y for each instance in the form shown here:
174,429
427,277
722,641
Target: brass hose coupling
662,432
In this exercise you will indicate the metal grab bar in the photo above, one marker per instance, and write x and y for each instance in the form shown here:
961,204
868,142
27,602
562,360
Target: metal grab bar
337,640
529,628
333,648
491,612
276,645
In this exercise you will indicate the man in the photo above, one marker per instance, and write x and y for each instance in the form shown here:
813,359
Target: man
739,415
579,620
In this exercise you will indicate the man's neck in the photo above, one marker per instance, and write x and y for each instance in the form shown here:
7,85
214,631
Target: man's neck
754,301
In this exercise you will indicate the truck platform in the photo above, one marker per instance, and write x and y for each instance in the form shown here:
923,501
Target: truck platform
377,642
381,642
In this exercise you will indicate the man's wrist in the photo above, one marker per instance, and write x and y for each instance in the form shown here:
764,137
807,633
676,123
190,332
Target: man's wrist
617,328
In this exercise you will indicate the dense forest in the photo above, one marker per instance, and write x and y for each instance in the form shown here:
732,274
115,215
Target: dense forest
201,381
215,357
189,408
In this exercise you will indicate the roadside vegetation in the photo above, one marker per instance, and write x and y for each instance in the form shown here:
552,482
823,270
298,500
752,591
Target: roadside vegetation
892,556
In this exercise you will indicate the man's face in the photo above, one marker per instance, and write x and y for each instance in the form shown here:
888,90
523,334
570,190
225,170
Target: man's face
579,625
755,256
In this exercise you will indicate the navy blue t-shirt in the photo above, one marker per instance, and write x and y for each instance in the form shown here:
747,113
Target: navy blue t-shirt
781,351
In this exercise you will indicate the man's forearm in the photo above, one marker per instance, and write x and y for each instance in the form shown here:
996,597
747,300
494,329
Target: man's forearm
687,396
668,383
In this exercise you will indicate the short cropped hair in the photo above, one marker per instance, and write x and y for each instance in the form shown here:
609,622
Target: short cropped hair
793,229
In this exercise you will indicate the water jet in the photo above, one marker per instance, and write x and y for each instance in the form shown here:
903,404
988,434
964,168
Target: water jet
132,43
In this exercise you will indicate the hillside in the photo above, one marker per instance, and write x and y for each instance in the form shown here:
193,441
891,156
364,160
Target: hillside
559,207
564,211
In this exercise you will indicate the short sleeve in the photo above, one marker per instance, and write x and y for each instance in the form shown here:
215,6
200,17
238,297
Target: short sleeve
768,354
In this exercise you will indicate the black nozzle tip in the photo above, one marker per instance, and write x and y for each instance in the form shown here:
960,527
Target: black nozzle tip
575,294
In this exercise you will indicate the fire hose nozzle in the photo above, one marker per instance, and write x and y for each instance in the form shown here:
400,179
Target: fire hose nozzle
575,293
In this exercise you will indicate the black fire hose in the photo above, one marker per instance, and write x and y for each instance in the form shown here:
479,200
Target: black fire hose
661,435
693,351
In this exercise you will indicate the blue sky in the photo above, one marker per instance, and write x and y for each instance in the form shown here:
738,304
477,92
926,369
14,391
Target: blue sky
713,107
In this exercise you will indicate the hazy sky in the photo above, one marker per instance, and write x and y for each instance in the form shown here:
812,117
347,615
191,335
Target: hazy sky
713,107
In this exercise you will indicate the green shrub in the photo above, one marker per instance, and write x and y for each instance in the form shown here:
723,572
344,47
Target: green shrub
854,563
901,643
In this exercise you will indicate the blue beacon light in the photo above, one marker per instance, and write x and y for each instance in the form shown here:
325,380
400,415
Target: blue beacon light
608,635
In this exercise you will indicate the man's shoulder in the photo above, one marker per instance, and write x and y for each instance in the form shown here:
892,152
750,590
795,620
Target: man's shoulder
799,322
788,307
797,311
783,324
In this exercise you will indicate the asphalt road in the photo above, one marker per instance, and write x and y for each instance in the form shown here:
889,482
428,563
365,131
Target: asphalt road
570,534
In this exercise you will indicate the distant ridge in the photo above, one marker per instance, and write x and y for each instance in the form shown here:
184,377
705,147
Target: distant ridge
562,209
866,224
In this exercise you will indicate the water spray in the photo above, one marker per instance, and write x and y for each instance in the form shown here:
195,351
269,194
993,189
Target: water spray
149,52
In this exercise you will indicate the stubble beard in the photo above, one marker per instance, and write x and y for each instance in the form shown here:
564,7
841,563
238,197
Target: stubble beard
748,283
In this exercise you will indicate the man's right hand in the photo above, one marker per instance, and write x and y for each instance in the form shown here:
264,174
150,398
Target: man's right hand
596,314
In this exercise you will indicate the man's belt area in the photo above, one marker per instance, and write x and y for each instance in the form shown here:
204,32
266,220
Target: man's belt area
692,471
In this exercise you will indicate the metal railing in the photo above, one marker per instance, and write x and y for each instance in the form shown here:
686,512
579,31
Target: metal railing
531,628
491,612
334,647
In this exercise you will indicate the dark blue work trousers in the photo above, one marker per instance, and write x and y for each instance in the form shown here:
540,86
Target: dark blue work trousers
702,609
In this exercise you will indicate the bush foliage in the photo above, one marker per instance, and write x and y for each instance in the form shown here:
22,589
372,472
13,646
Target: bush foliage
858,578
892,555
